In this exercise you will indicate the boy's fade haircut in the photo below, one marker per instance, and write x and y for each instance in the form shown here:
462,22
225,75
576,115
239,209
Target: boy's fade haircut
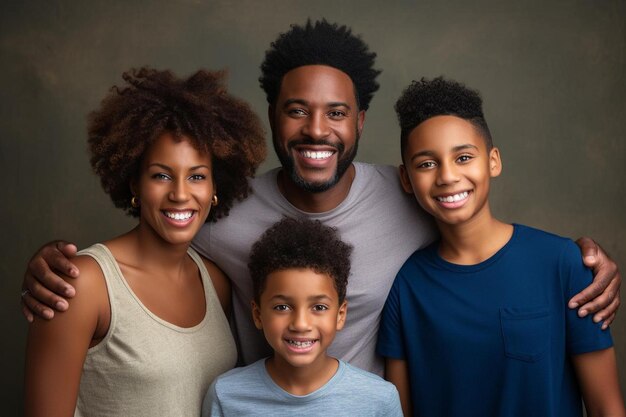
300,243
425,99
320,43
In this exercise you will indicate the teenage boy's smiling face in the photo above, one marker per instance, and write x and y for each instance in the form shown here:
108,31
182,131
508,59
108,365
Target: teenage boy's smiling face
299,313
448,169
316,125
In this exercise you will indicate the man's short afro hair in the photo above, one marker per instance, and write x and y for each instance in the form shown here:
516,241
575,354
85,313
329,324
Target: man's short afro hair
320,43
198,108
300,243
425,99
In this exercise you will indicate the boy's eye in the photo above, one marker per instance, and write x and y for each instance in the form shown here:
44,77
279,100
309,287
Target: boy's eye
320,307
281,307
464,158
426,164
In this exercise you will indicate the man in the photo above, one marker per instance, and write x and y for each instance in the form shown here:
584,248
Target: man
319,80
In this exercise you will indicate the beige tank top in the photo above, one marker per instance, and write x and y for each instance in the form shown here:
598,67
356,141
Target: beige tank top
146,366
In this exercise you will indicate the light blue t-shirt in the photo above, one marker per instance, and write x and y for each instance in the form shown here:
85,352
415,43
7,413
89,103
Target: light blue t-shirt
250,391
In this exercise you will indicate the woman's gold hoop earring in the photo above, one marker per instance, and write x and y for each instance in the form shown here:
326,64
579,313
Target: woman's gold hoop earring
134,202
214,200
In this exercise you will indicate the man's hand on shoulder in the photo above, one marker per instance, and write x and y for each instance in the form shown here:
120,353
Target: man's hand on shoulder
43,290
602,297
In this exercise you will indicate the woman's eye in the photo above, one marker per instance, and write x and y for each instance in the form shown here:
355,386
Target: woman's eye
197,177
160,176
281,307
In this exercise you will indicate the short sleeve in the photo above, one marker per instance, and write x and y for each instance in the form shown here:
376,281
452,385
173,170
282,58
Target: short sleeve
390,333
583,335
211,404
394,408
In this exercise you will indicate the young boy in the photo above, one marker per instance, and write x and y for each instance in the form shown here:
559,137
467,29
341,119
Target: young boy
300,270
476,324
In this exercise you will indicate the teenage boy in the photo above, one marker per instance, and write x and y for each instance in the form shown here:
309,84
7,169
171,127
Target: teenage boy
476,324
319,80
299,272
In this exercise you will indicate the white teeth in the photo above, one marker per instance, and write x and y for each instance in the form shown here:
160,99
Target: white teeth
316,155
179,215
453,198
300,344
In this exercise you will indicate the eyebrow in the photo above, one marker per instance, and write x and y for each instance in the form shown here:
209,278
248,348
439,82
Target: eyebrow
303,102
167,168
310,298
455,149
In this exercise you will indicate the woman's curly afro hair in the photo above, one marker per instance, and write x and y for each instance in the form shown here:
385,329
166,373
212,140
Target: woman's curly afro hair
425,99
198,109
300,243
320,43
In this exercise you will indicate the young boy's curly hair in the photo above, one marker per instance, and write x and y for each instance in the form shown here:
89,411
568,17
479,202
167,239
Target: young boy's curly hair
300,243
320,43
198,109
425,99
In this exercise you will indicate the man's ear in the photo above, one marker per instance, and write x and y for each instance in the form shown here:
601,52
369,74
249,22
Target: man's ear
256,315
495,162
341,314
360,121
404,180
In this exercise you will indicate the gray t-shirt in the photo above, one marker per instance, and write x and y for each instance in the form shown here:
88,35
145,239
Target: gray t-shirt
250,391
383,223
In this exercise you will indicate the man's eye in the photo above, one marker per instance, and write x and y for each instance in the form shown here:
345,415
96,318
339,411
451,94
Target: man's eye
336,114
296,112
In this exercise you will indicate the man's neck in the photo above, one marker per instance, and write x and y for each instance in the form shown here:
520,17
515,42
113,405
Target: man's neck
321,202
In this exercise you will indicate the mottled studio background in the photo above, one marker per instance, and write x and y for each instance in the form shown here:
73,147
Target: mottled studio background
552,74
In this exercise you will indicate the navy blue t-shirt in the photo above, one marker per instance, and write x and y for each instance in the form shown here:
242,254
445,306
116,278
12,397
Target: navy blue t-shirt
492,339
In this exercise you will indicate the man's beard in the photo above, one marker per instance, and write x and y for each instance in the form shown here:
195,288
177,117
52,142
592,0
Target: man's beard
289,166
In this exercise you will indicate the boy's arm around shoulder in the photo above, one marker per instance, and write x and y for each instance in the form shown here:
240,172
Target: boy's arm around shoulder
221,283
56,349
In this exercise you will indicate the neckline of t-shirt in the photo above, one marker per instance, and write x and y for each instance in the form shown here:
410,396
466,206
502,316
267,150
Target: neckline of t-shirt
150,314
274,387
433,255
357,184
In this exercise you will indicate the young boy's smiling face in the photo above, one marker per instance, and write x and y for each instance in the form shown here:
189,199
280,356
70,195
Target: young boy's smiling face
299,313
448,169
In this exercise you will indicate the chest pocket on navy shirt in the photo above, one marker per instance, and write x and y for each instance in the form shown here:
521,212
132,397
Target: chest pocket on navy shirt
526,332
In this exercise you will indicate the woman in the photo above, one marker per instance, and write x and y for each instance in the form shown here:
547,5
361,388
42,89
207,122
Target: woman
147,332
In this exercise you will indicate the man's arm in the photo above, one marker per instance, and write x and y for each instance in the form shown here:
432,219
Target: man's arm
597,376
44,291
602,296
397,372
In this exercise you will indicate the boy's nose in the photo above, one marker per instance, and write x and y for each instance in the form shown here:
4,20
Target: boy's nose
300,321
447,173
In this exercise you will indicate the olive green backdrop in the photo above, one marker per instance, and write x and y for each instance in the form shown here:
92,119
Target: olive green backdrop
552,74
